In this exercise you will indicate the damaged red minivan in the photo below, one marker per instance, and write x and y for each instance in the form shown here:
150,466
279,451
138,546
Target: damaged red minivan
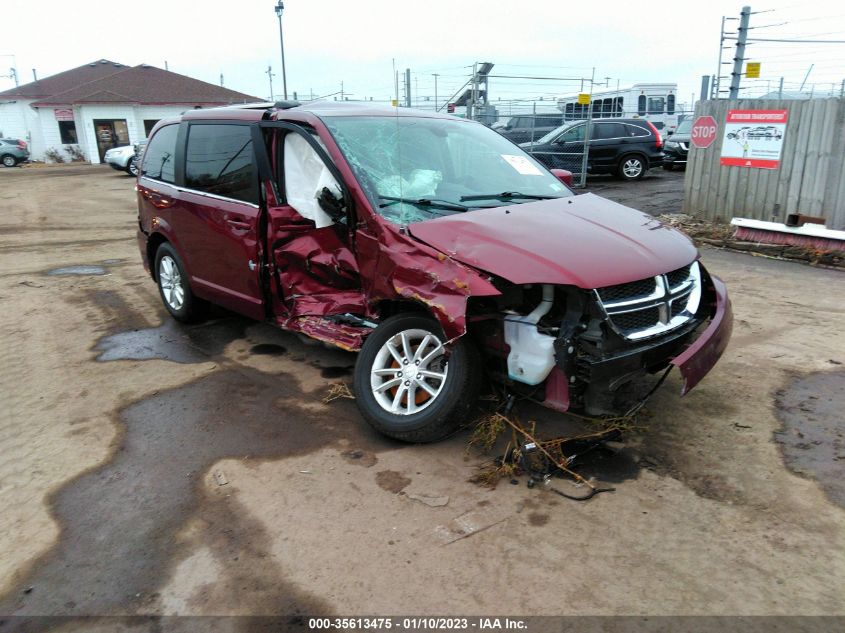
436,248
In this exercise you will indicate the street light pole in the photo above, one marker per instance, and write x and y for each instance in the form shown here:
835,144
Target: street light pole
280,6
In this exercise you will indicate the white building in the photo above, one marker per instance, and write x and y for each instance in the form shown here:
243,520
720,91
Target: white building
101,105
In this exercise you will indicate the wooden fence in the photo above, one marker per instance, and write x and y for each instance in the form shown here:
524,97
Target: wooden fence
810,179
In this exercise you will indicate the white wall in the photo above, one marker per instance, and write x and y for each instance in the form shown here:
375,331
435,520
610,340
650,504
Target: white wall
18,120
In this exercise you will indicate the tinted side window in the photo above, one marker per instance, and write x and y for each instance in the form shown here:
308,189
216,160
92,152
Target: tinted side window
160,155
609,130
655,105
219,160
670,104
636,130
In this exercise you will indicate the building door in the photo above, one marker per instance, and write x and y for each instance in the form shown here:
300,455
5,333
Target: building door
110,133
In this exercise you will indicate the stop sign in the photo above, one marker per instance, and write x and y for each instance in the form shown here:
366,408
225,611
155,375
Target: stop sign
704,131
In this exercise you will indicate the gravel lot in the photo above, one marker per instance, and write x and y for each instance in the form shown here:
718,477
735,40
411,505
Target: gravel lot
153,468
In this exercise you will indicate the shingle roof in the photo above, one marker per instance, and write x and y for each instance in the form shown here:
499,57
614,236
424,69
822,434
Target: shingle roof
146,85
66,80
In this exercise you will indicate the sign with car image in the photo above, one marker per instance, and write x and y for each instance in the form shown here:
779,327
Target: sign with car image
754,138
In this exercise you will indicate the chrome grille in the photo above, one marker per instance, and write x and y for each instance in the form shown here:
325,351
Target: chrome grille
652,306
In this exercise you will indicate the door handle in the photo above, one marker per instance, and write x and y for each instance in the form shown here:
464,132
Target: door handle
239,224
160,202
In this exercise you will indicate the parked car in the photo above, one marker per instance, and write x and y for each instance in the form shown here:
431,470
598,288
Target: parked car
134,164
528,127
122,158
676,147
441,252
625,147
13,151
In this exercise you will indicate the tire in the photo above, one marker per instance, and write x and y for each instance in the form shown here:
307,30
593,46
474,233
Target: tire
8,160
631,167
132,167
173,286
441,405
668,166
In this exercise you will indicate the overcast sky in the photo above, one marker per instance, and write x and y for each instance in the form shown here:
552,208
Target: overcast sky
332,41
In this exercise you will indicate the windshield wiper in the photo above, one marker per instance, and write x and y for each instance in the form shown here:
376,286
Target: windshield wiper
507,195
427,202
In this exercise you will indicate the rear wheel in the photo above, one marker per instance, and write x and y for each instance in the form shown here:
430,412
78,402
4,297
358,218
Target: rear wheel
174,288
631,167
8,160
408,386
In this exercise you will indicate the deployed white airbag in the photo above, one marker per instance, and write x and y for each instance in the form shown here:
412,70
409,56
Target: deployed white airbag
305,176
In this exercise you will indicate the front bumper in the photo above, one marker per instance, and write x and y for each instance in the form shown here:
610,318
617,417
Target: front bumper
700,357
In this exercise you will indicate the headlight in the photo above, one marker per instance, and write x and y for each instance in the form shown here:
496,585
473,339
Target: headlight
672,144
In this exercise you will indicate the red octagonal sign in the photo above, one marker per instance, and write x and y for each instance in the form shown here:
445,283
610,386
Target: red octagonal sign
704,131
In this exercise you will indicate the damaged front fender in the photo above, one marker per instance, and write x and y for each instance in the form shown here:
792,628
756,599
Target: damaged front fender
412,271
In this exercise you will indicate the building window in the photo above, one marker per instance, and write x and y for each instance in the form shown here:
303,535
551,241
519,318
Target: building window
67,130
149,124
670,104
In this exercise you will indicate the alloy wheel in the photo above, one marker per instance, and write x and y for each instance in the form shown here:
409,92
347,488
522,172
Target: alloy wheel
170,280
409,372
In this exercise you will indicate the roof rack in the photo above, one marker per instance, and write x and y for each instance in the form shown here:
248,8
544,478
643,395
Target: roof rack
286,105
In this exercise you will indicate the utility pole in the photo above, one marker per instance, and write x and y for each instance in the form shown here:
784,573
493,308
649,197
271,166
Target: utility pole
279,9
34,75
435,90
221,79
269,72
341,91
395,80
780,89
841,89
474,92
407,87
739,57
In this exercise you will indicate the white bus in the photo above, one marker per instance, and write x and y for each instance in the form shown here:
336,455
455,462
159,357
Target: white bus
655,102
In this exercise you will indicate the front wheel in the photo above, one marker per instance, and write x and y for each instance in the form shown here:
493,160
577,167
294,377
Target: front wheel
132,167
174,288
631,167
408,386
668,166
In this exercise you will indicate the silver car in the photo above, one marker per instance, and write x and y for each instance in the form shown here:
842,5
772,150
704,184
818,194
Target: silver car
122,159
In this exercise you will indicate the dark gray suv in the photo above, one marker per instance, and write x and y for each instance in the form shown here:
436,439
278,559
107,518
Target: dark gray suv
13,151
528,127
625,147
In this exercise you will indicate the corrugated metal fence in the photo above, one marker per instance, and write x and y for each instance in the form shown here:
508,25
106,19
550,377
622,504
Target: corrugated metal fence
810,179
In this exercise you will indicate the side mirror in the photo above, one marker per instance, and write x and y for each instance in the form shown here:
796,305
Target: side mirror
564,175
331,204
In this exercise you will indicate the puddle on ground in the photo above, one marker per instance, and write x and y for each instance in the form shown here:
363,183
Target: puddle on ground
86,270
813,434
119,521
172,341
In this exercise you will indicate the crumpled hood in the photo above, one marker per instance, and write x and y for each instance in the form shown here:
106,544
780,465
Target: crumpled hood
584,240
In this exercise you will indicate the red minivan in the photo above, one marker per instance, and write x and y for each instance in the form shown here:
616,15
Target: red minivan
442,252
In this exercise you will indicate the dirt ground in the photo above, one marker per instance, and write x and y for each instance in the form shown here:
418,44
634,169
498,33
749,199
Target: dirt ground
153,468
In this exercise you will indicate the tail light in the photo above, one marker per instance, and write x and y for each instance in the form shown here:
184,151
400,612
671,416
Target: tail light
22,144
659,143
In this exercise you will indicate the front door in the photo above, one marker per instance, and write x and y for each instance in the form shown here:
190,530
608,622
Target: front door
218,217
314,264
110,133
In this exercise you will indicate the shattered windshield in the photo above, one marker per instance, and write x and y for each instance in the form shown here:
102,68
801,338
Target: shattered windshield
415,168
